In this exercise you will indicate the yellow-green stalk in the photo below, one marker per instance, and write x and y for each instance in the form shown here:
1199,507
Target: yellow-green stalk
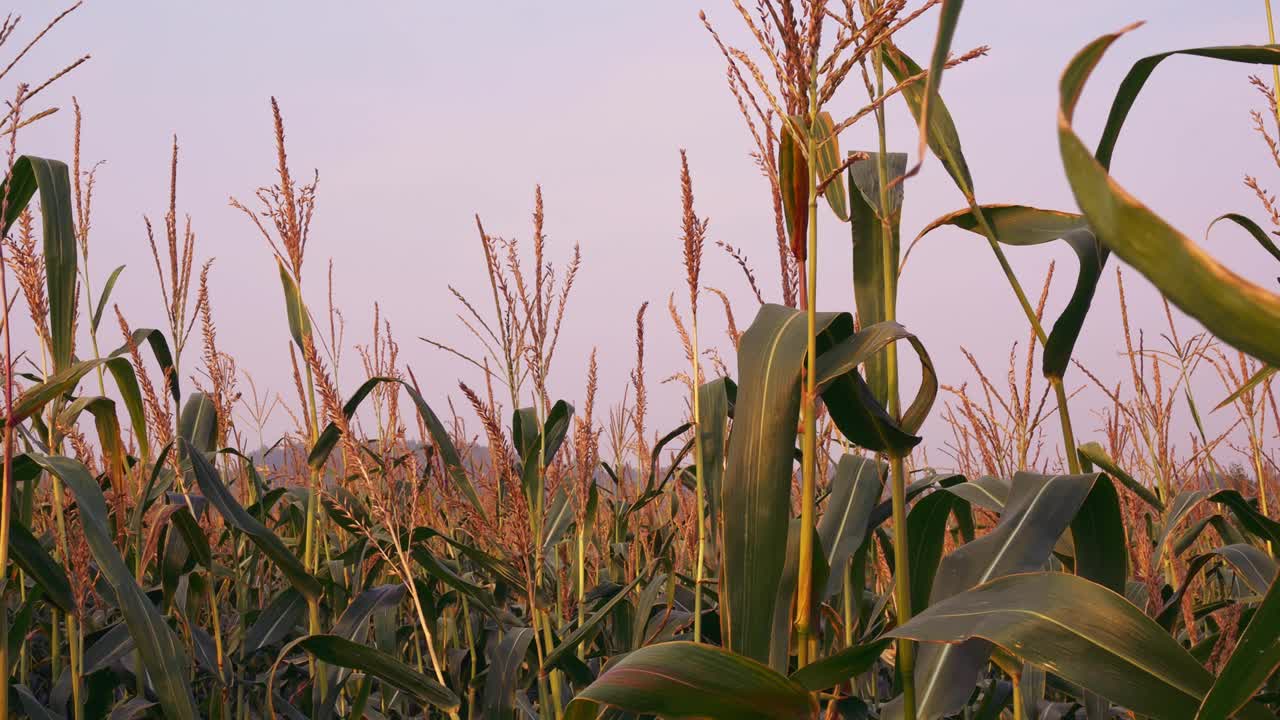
897,467
808,400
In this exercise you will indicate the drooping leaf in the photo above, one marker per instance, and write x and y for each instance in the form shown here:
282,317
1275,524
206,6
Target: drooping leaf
860,417
1250,227
1023,226
27,553
1236,310
340,651
158,645
839,667
1039,510
683,679
268,542
1077,630
1245,513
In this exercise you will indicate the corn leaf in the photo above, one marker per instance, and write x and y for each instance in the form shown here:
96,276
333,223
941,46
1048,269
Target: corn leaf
1023,226
224,502
713,407
1236,310
504,669
871,284
162,653
855,489
1039,510
345,653
1250,227
1254,659
683,679
1079,631
839,667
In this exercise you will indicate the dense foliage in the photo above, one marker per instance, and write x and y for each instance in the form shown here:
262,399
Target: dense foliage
782,554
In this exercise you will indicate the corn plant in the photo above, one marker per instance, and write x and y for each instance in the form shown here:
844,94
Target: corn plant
786,551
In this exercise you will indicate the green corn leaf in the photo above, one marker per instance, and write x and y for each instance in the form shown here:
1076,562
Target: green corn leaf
160,351
1236,310
274,622
102,299
871,284
328,438
198,423
345,653
110,646
1249,226
1039,510
504,670
859,416
1182,505
162,653
855,490
1077,630
839,667
926,532
1023,226
713,407
1255,657
784,610
1098,538
212,487
61,251
27,553
1257,379
940,129
1094,453
558,518
682,679
575,638
757,480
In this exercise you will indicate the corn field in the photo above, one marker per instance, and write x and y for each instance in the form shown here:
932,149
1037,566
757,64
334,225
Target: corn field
785,552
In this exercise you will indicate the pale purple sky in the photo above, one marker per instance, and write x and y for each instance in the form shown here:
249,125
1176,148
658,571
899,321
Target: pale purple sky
420,114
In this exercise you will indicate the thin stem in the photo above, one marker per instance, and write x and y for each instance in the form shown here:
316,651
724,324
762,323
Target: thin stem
699,490
6,493
897,466
1068,435
809,445
1275,71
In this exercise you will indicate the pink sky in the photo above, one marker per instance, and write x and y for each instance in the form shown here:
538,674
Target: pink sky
419,115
